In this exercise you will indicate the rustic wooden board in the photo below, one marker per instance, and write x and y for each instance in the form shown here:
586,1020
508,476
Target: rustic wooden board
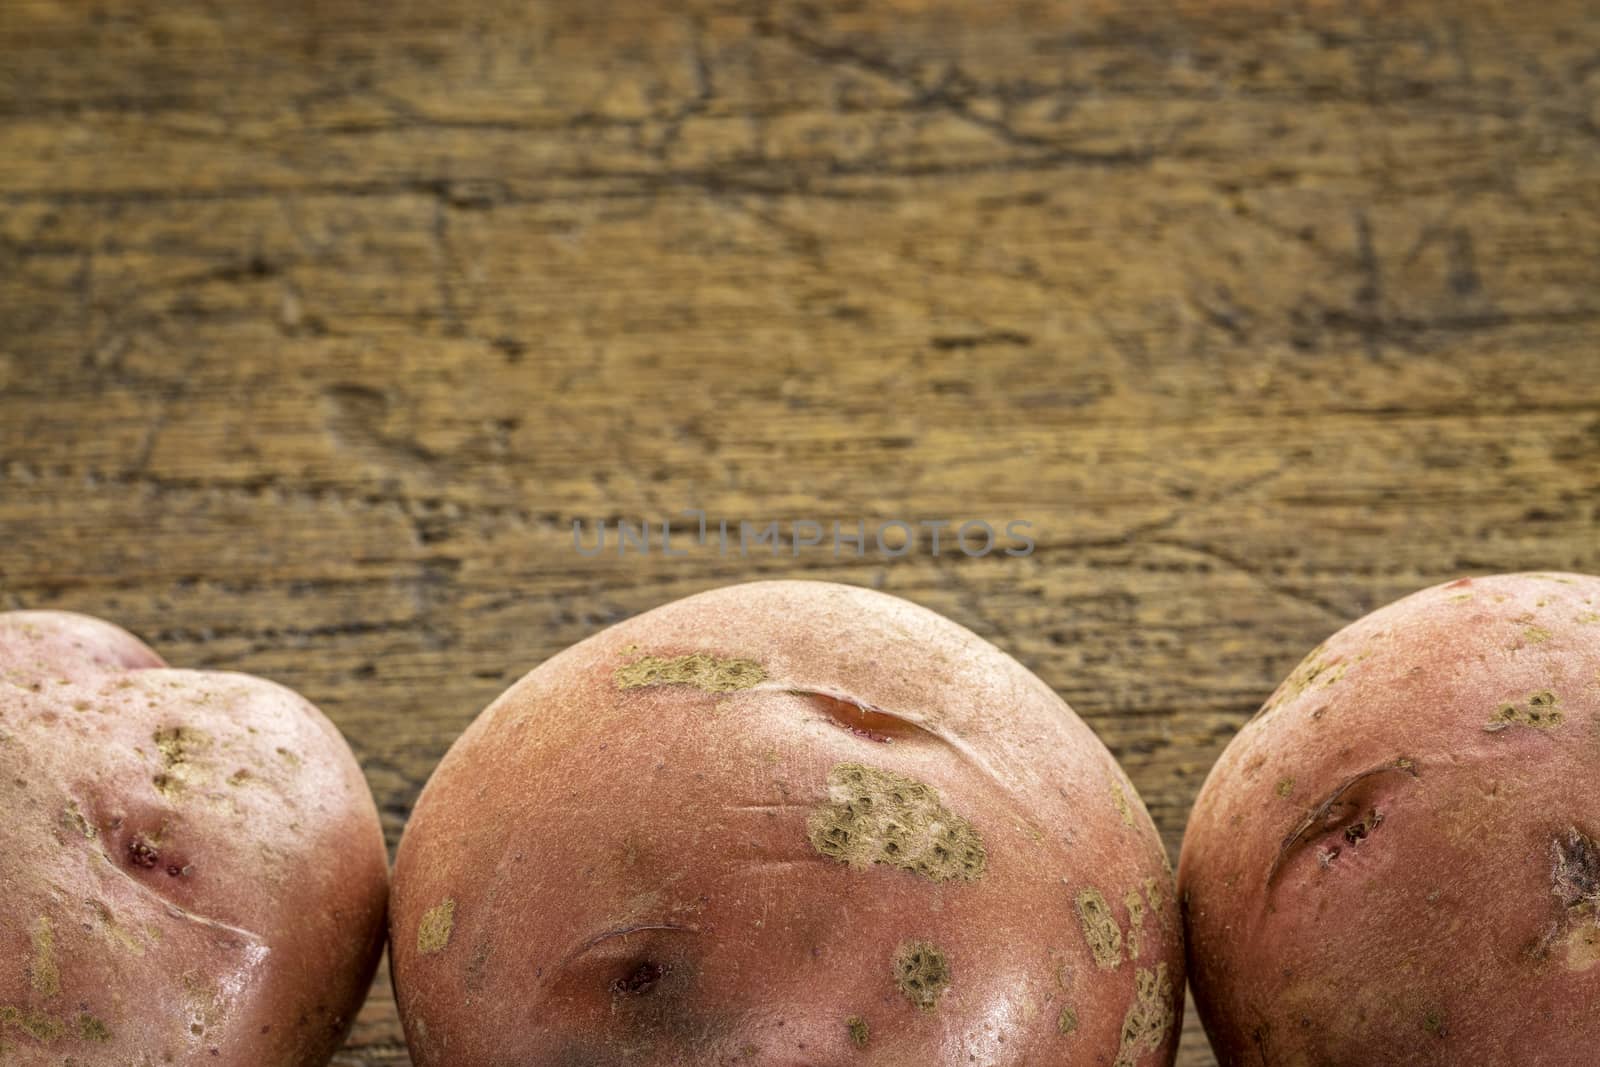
321,322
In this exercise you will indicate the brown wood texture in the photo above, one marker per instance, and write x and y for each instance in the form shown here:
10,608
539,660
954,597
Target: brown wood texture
320,323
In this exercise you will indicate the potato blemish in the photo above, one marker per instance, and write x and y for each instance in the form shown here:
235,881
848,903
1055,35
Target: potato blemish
922,972
43,974
1540,712
1120,799
1575,882
1067,1021
878,816
701,670
206,1005
1575,868
1135,923
1100,929
1149,1018
641,980
178,746
1152,893
92,1029
72,816
143,854
859,1031
433,933
36,1024
1346,809
863,720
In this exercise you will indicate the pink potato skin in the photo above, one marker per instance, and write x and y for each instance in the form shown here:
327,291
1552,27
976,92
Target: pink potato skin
191,866
1460,924
606,875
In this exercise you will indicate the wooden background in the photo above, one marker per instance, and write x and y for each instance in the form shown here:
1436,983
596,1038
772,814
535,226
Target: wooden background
321,322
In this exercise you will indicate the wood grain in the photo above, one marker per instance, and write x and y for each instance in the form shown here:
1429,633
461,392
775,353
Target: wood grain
320,324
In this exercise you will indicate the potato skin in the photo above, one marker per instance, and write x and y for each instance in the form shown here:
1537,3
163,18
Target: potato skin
191,865
625,860
1395,861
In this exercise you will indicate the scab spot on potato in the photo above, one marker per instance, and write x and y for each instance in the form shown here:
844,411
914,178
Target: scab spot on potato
92,1029
43,974
880,816
206,1004
1152,893
701,670
860,1032
1120,799
72,816
922,972
1575,869
1583,946
433,933
41,1026
1100,928
113,931
1135,936
1145,1026
1539,711
1067,1021
178,746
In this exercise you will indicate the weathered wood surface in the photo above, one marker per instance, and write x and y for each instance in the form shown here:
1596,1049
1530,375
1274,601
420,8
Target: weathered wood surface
321,322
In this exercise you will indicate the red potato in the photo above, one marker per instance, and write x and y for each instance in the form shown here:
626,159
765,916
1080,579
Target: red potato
191,866
1396,861
783,823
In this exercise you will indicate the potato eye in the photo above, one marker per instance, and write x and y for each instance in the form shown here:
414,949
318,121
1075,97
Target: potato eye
640,980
